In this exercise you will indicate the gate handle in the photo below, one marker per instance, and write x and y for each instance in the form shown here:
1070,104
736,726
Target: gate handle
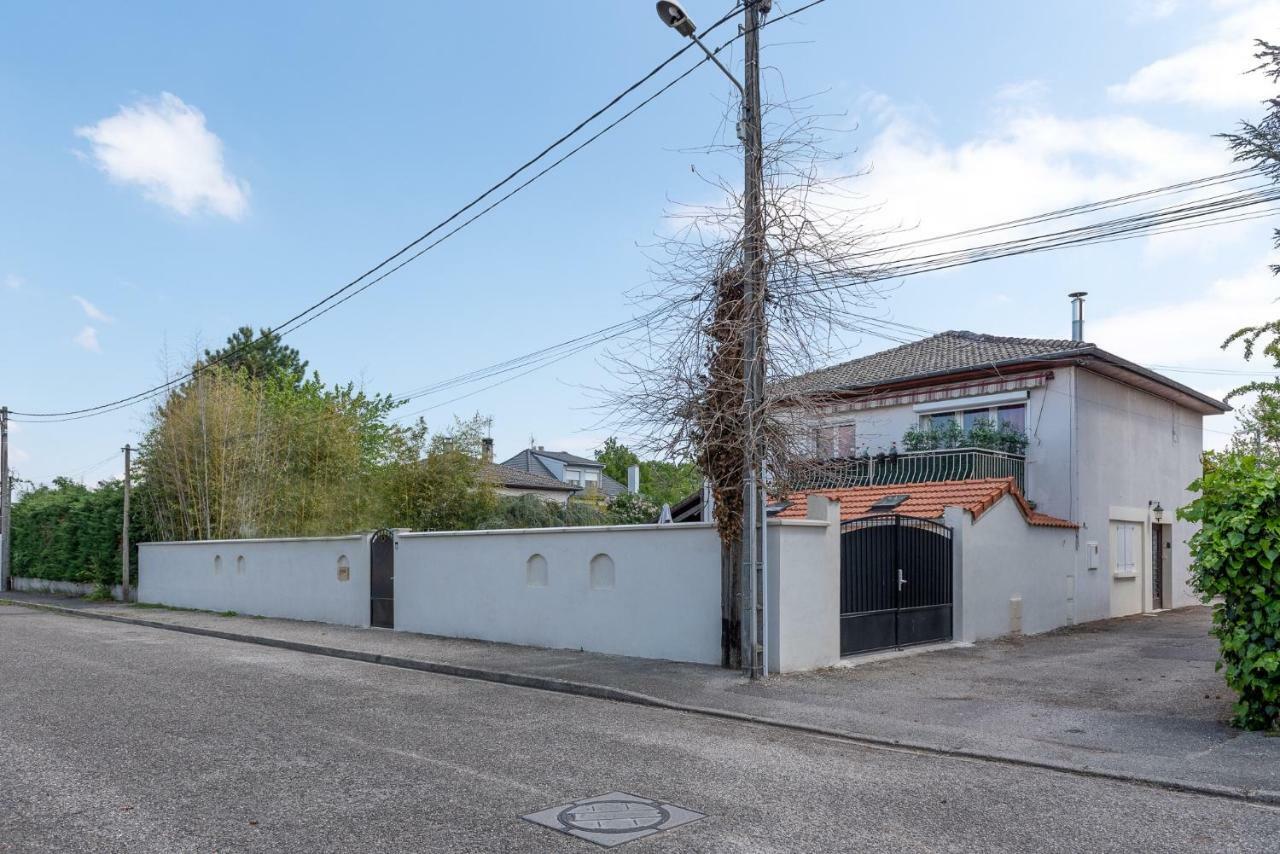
902,579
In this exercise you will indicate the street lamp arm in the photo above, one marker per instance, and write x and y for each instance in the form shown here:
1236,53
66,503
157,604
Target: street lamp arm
711,55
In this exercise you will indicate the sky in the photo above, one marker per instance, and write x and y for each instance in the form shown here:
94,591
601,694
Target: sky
170,172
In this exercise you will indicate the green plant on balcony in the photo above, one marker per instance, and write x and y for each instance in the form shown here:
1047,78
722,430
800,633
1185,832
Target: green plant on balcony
1011,440
984,433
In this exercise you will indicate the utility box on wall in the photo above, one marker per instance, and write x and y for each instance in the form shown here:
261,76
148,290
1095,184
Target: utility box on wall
1091,554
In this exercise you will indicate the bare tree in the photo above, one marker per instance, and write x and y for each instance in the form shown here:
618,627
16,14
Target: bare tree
681,377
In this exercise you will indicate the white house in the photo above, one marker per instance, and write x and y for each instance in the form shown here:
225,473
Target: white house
1111,446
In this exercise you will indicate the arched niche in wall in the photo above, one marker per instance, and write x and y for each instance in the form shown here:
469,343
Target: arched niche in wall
535,571
602,572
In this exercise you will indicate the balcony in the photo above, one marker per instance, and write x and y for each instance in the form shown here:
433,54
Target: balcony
916,467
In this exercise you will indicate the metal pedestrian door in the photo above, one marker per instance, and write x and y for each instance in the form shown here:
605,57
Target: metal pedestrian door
382,580
895,583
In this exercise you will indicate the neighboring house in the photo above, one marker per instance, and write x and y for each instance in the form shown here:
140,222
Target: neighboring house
512,481
1111,447
585,476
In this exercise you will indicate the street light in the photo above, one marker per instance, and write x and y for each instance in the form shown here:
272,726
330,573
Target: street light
1157,513
675,17
751,580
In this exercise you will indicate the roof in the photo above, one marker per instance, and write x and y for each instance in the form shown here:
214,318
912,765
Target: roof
527,460
959,351
504,475
925,500
610,487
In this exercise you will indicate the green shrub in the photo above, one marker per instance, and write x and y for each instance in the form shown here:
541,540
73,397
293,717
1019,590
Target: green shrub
69,532
1236,558
632,509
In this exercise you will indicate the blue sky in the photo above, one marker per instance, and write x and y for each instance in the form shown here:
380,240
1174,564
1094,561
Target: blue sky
169,173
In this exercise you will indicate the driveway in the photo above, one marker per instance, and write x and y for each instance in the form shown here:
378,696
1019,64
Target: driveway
118,737
1136,697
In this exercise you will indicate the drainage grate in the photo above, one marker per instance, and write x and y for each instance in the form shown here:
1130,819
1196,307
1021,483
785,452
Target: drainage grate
613,818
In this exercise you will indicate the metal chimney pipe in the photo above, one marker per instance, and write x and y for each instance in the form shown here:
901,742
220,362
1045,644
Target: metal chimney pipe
1077,315
633,479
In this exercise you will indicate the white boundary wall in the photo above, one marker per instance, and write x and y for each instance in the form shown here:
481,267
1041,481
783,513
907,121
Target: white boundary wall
804,589
316,578
643,590
1010,576
650,591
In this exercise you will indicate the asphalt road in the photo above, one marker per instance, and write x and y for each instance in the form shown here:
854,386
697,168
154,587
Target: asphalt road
122,738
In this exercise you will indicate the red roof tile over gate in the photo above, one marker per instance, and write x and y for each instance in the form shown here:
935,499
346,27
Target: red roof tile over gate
925,500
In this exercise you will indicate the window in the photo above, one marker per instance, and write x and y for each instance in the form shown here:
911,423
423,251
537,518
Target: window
1128,536
1013,416
835,441
940,420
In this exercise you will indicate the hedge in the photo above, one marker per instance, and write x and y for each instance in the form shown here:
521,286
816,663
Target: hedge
69,532
1236,564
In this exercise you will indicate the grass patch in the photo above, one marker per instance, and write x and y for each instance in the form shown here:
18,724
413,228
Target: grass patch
101,593
155,606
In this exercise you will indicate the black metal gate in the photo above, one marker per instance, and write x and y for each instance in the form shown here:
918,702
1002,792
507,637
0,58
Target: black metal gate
895,583
382,580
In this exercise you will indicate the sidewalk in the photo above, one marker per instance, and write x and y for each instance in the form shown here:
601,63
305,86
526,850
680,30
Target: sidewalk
1135,698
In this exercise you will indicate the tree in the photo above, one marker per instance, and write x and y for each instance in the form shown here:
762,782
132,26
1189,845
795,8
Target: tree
617,458
1259,145
258,357
442,490
256,449
681,377
661,482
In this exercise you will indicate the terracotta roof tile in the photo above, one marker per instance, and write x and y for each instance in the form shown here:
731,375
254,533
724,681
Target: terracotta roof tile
925,500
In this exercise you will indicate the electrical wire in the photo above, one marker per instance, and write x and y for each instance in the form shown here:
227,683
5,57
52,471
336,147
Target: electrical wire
298,320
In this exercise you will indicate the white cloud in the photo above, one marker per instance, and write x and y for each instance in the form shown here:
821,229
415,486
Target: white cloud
1023,91
1190,333
162,145
1211,73
1153,10
88,339
93,312
13,282
1027,162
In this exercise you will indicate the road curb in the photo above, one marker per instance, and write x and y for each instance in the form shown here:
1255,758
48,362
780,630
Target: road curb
604,692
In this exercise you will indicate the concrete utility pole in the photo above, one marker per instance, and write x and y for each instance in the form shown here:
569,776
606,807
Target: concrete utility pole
124,538
4,499
753,283
750,580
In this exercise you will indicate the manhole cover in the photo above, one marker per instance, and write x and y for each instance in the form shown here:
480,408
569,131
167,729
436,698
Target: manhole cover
613,818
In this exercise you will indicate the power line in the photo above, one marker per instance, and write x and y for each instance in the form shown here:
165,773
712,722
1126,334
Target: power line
302,319
298,318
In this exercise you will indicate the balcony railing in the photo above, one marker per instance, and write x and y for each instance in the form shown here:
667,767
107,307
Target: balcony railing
916,467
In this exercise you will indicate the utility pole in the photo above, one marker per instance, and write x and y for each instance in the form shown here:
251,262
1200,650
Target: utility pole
744,582
124,538
4,499
753,284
